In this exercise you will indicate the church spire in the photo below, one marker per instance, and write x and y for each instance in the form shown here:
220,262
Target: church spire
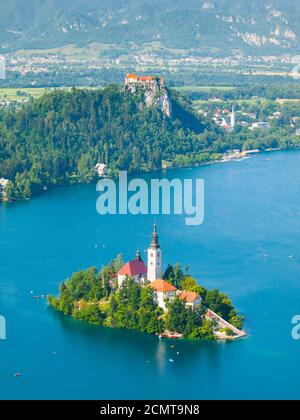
154,243
138,255
154,267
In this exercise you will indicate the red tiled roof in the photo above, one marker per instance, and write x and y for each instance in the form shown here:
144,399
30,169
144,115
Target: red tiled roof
140,78
145,78
133,268
132,76
189,296
162,286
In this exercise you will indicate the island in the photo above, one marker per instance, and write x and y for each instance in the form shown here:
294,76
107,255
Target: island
140,297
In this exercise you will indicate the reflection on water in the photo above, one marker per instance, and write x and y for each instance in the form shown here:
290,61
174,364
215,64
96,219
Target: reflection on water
160,357
159,354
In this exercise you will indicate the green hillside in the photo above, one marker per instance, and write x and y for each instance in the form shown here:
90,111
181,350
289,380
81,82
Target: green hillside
58,138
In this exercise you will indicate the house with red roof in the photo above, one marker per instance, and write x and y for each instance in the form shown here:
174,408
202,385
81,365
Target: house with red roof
135,269
163,291
191,299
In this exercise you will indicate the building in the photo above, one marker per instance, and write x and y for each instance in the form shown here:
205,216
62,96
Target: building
135,269
101,169
134,78
260,126
153,90
192,299
163,292
221,120
154,270
232,119
151,275
298,132
3,185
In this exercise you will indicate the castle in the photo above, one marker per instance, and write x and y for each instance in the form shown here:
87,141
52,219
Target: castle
134,78
151,275
154,89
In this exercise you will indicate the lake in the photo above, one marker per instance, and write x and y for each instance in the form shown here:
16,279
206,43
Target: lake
248,247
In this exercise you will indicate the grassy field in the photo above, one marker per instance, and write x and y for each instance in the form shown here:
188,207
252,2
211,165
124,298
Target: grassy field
22,94
205,88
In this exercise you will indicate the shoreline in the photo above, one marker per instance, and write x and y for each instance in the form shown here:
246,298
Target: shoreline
230,156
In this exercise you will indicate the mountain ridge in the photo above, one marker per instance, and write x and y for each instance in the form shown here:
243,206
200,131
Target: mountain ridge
201,25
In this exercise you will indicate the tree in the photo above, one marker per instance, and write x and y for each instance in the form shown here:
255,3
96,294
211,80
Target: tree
10,193
58,139
188,283
204,332
90,313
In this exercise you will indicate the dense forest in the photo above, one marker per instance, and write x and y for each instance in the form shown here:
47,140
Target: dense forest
59,138
91,296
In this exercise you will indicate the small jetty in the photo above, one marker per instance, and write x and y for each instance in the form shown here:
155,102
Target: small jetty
221,335
170,334
220,327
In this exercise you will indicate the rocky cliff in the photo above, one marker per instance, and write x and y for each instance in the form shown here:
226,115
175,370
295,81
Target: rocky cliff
153,90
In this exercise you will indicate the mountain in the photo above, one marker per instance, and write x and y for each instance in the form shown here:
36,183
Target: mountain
203,26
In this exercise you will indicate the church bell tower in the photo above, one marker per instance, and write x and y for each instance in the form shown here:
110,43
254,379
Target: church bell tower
154,268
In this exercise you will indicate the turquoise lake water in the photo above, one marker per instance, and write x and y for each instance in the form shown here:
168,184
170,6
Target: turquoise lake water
248,246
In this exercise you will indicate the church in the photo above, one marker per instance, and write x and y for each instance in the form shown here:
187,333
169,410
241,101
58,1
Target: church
138,271
152,275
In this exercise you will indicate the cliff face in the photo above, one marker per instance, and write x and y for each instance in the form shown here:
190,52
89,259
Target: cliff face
154,92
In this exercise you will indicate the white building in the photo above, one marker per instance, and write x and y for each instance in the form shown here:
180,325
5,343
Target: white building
154,270
101,169
232,119
260,126
191,299
3,185
163,292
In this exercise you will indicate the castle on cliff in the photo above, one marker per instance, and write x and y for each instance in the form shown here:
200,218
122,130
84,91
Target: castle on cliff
155,91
